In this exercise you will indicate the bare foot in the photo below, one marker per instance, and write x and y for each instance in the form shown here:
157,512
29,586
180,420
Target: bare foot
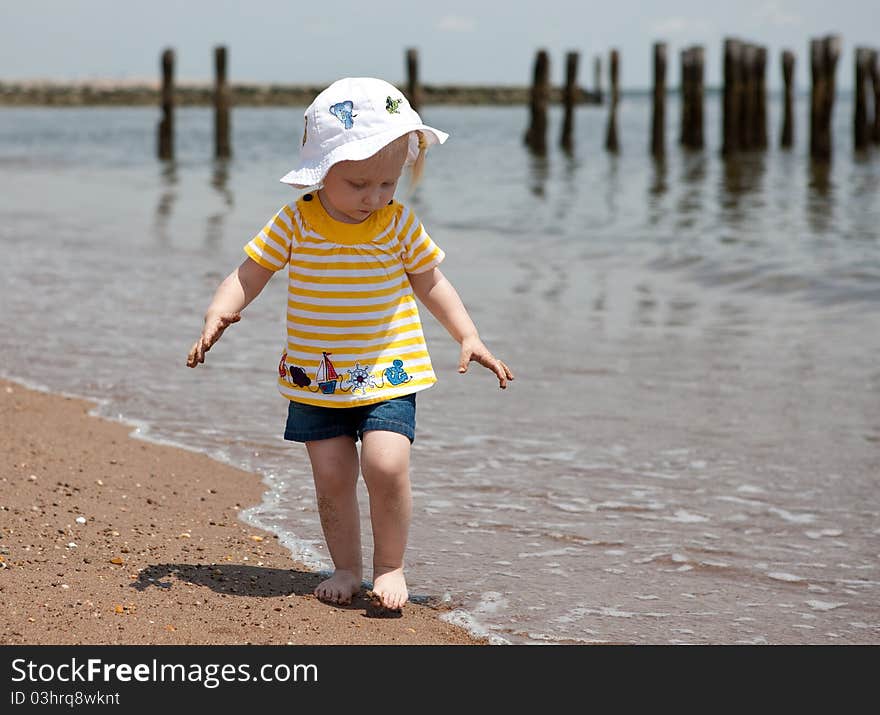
339,588
389,586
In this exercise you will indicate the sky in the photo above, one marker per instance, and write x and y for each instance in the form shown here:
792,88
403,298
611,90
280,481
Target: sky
473,42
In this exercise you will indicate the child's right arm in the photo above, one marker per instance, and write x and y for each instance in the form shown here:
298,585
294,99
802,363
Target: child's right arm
233,295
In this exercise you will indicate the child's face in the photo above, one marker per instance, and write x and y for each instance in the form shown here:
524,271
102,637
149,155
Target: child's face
355,189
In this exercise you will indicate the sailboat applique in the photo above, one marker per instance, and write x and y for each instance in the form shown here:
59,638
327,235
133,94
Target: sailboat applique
326,375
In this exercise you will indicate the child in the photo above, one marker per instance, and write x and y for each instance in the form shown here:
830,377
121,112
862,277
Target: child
355,355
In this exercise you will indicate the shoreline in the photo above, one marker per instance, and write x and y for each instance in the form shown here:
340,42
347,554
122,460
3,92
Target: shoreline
162,556
201,94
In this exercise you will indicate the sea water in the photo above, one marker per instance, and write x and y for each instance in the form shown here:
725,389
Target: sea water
690,452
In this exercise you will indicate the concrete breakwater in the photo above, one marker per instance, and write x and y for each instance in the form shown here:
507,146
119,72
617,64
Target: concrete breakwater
257,95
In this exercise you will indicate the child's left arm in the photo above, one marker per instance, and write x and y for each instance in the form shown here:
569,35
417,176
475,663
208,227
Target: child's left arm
440,297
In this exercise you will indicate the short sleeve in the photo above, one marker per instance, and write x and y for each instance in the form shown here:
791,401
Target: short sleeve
271,246
418,252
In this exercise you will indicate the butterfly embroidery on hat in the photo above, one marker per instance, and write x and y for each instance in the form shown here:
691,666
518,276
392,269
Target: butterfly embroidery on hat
343,112
392,106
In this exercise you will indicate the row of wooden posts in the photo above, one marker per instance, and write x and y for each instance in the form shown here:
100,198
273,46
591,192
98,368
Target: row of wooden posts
222,102
222,143
744,107
744,124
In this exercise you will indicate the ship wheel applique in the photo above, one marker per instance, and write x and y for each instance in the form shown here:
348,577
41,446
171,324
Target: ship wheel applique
361,379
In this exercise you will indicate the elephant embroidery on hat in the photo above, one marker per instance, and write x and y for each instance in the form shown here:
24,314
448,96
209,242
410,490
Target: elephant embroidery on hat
343,112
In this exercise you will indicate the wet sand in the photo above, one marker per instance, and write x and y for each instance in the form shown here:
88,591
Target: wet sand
162,557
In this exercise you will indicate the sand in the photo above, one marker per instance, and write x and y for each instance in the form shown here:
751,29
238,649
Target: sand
162,557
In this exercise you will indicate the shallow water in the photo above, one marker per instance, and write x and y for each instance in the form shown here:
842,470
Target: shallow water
691,450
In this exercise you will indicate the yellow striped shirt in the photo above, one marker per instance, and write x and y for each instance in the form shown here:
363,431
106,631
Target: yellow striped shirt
354,336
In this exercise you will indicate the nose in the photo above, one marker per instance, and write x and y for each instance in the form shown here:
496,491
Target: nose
373,199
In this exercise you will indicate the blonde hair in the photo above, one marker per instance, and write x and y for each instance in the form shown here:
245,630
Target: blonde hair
418,167
401,144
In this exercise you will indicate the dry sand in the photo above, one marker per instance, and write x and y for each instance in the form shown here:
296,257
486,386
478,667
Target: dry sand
162,557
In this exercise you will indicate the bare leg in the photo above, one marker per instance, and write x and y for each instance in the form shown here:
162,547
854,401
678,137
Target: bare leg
385,466
335,470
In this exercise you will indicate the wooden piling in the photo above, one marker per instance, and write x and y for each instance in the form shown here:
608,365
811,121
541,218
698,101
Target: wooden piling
698,72
222,144
786,139
691,131
166,123
536,135
597,77
611,142
832,55
817,90
732,96
687,80
748,96
569,100
875,81
861,128
760,88
658,118
824,53
413,87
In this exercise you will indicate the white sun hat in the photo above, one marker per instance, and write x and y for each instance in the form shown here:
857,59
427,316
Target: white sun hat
351,120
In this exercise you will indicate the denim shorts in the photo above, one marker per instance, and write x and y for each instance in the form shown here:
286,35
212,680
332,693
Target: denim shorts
308,423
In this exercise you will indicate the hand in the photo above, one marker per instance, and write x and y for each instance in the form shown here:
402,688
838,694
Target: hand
472,349
214,327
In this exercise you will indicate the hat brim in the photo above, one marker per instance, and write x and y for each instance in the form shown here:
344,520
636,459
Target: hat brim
308,176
